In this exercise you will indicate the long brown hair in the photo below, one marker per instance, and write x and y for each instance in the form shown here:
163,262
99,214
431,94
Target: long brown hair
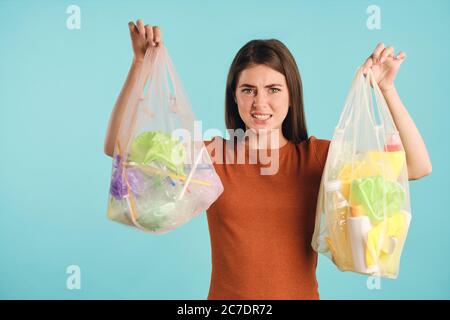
274,54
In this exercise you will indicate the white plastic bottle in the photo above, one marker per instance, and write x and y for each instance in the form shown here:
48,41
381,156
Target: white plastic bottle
358,227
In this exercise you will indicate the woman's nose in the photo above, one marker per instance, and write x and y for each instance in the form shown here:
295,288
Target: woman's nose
260,98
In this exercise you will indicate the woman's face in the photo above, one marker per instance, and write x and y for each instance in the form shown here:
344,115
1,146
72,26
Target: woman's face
262,97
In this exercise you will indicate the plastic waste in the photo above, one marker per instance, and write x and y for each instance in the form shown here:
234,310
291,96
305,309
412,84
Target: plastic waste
162,174
367,159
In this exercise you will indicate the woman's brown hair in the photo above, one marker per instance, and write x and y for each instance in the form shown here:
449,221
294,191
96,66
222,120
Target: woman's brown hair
274,54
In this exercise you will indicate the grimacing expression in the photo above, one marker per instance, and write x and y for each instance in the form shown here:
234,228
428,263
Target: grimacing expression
262,97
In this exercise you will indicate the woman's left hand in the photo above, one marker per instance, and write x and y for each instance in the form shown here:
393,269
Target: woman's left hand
385,65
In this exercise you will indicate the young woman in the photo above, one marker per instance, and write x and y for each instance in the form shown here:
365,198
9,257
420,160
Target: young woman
261,226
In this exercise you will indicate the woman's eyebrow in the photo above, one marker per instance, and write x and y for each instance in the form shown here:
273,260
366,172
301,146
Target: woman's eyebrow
269,85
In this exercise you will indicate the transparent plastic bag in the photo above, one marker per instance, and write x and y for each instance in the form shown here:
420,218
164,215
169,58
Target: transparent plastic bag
162,174
363,208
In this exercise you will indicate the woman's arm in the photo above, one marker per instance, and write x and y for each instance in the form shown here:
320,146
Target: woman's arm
385,65
142,37
119,108
417,158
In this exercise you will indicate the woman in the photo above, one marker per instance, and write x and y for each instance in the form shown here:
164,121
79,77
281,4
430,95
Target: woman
261,226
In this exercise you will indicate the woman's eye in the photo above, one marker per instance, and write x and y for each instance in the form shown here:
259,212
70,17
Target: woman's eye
249,90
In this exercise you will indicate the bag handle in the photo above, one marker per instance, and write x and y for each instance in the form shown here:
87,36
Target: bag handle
131,108
383,109
348,101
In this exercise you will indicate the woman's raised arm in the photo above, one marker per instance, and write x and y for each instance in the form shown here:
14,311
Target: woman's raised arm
142,38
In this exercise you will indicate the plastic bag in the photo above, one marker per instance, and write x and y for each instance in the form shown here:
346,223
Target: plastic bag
162,174
363,207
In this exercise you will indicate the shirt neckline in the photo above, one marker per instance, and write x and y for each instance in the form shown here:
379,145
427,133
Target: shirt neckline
281,150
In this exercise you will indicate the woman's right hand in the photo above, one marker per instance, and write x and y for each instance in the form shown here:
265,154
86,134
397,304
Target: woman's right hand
143,37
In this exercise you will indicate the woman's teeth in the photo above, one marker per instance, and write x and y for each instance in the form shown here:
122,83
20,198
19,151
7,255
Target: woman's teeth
261,116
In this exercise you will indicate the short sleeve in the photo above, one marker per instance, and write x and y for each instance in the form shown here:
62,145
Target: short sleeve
320,147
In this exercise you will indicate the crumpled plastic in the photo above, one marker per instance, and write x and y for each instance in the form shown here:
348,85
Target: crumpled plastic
118,187
384,242
378,196
373,163
159,147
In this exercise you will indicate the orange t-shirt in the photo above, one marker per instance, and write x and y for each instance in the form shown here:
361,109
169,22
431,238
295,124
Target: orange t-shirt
261,226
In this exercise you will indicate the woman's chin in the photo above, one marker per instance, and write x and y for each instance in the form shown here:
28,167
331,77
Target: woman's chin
262,129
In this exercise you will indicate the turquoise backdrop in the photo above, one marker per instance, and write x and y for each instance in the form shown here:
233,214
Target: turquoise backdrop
58,87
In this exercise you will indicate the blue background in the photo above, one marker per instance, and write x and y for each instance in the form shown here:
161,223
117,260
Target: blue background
58,87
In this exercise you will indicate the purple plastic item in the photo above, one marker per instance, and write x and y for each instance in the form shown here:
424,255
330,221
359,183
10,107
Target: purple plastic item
118,187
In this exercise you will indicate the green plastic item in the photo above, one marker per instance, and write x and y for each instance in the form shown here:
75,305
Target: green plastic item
157,217
379,197
160,147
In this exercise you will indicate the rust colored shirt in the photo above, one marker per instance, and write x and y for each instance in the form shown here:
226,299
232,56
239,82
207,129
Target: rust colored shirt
261,226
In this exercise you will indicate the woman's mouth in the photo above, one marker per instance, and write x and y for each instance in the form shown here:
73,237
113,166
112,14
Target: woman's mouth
261,118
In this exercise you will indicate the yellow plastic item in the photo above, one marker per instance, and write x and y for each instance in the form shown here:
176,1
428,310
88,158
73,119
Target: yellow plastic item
390,162
374,163
154,170
385,241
